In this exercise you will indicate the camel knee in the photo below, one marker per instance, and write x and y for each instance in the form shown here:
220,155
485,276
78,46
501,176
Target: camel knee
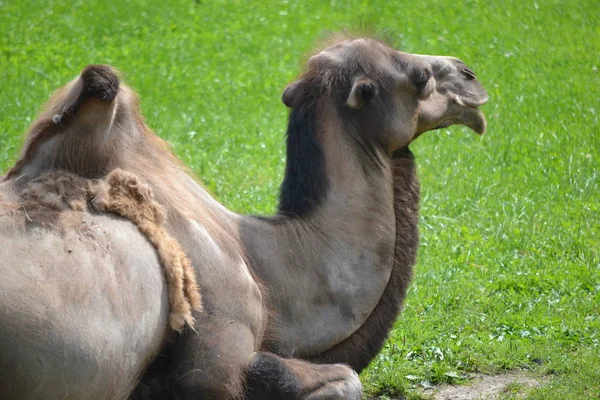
218,376
269,378
212,362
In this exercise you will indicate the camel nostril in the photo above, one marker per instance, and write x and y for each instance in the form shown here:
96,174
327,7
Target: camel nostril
470,75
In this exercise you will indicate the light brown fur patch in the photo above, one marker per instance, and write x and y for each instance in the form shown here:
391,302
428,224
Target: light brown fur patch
123,194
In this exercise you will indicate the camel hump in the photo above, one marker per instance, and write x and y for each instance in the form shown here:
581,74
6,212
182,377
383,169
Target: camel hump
76,131
96,81
100,81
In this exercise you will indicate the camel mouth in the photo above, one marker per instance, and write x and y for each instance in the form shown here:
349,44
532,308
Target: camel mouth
471,116
476,121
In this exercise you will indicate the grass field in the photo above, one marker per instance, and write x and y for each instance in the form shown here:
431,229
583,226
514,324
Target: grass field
508,275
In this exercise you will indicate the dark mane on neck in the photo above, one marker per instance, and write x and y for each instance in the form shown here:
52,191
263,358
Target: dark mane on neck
362,346
305,182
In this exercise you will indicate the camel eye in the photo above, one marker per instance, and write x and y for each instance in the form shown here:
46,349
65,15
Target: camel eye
470,75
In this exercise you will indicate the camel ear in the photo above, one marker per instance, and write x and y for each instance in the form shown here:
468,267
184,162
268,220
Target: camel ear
363,91
294,93
425,83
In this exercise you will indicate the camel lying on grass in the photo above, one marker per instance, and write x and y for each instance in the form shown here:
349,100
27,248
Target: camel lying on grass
107,241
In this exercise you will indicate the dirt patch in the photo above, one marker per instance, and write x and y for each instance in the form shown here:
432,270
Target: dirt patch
487,387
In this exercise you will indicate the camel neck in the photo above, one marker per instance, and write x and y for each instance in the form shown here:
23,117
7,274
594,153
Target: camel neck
327,262
326,157
364,344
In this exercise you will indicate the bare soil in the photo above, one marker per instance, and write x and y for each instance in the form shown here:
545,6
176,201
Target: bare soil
487,387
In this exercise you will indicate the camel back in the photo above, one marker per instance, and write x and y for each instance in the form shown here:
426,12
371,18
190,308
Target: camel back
58,199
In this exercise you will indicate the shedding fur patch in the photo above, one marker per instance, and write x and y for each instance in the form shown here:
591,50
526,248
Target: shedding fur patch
123,194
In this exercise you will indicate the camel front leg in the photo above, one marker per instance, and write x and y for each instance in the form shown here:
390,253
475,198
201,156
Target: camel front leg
271,377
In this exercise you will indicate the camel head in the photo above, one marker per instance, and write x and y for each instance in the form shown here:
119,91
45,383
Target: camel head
388,96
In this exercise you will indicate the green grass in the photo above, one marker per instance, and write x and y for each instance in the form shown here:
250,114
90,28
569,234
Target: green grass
509,265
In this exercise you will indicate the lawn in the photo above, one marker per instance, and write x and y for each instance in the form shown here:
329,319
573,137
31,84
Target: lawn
508,275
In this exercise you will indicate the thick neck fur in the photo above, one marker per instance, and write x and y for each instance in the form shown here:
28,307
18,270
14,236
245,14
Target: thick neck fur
364,344
328,265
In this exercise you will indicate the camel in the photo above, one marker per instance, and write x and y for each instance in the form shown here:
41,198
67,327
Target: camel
286,307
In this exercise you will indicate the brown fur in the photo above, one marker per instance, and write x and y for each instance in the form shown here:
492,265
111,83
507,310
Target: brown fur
122,193
364,344
362,31
338,266
12,211
330,77
125,144
133,147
